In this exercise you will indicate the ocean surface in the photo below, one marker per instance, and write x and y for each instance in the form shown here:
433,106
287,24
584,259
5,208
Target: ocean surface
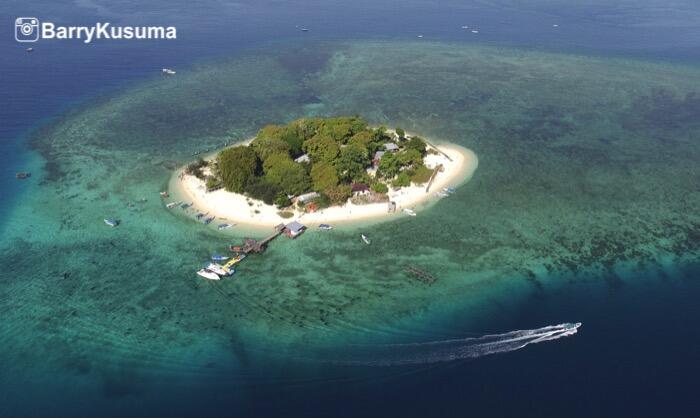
586,121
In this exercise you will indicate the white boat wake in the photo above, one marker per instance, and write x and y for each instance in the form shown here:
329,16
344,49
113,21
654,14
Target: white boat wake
461,349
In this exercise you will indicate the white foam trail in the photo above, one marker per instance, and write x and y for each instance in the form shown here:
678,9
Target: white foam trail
460,349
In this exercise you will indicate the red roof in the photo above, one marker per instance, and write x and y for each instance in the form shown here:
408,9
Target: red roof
359,187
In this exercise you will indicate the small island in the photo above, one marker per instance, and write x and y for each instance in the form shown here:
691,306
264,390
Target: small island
321,170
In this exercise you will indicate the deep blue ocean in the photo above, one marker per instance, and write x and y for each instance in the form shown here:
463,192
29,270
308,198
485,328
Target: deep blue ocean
638,351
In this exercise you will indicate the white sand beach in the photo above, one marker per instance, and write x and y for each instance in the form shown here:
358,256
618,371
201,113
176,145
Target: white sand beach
245,212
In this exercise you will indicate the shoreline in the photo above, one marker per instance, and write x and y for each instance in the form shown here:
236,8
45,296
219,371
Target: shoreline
240,211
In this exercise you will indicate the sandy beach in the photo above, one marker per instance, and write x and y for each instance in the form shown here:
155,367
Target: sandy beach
245,212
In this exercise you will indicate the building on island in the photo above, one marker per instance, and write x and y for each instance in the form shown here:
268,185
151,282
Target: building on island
377,158
360,189
307,197
294,229
303,159
391,147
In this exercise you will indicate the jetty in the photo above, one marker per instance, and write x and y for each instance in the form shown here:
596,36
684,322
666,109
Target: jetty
437,169
254,246
419,274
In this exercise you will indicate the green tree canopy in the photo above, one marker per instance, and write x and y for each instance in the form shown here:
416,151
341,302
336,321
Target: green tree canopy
237,166
400,132
321,148
292,178
265,146
324,176
410,157
389,165
352,162
339,194
416,143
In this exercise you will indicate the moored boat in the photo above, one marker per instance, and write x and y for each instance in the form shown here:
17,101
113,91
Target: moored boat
219,257
365,239
224,226
111,222
168,71
172,205
208,274
219,269
164,194
325,227
233,261
209,219
409,212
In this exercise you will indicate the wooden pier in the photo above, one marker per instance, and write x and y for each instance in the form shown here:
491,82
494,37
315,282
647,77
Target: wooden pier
438,169
254,246
419,274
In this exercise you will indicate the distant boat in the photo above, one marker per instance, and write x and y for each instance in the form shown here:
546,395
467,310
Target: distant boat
30,49
219,257
111,222
208,274
410,212
365,239
555,25
224,226
420,36
304,29
168,71
325,227
23,175
475,31
209,219
465,27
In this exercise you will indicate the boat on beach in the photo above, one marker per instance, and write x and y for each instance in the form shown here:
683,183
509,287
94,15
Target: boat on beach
208,274
365,239
111,222
325,227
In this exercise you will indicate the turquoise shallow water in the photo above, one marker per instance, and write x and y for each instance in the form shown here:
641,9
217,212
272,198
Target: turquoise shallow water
587,176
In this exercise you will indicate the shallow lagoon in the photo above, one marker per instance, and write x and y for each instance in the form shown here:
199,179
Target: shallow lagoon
587,173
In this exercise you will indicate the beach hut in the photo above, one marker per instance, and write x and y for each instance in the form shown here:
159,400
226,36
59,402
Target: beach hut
391,147
377,157
359,189
307,197
294,229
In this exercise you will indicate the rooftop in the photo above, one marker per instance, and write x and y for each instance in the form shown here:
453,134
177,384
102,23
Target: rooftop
295,227
390,146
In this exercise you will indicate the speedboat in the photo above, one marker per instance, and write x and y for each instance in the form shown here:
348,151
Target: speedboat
420,36
168,71
209,219
410,212
235,260
111,222
219,269
224,226
30,49
365,239
208,274
219,257
475,31
325,227
304,29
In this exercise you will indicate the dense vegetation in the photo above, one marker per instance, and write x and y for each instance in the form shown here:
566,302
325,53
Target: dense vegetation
335,153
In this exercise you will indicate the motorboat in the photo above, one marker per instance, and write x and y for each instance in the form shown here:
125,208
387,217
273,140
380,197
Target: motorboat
209,219
365,239
219,269
111,222
224,226
172,205
219,257
325,227
168,71
208,274
409,212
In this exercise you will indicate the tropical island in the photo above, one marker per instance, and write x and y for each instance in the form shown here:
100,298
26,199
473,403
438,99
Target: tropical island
321,170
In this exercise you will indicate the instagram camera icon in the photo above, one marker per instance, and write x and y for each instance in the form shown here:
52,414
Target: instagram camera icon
26,29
